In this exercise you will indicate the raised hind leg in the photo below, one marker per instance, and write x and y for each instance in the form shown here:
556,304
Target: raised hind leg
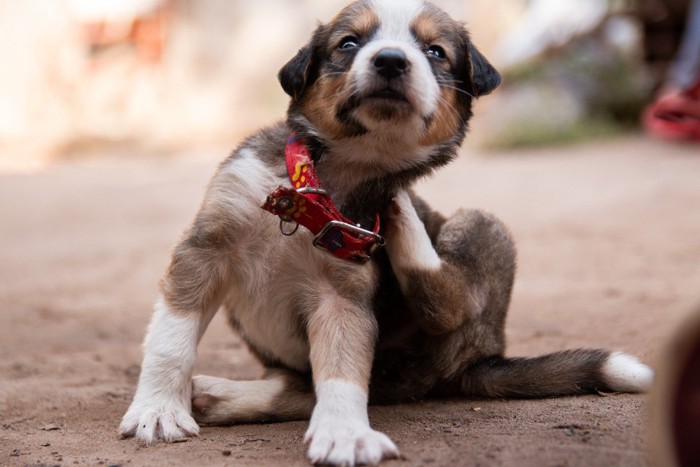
450,270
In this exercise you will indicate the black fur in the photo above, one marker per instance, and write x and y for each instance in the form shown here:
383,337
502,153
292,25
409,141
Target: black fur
484,77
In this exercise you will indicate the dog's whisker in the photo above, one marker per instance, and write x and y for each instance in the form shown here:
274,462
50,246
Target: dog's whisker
334,73
455,88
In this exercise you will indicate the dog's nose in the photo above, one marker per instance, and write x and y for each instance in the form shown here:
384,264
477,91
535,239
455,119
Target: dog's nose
390,63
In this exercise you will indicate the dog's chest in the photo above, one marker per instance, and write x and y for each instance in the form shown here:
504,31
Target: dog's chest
266,302
270,302
278,280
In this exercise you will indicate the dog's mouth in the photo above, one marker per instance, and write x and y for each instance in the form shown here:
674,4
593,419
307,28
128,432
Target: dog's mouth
389,95
382,103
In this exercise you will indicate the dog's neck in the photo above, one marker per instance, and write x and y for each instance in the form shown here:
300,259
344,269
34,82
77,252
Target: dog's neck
363,173
350,163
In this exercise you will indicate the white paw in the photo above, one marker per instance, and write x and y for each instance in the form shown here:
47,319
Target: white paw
339,431
151,420
401,210
407,242
346,442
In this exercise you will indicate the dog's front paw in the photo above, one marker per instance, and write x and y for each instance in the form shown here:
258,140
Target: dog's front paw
347,442
407,242
151,420
401,213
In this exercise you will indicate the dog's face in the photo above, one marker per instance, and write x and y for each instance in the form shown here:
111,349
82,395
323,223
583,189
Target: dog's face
400,68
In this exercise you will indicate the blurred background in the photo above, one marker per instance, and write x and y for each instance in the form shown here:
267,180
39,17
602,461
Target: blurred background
82,76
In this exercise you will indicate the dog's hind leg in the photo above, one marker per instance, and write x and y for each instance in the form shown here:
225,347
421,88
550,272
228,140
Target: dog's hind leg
279,396
458,281
450,271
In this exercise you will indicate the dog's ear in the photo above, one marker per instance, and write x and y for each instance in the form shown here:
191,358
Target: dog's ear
294,75
301,71
484,76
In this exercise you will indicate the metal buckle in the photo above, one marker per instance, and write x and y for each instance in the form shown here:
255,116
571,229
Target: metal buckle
308,190
324,239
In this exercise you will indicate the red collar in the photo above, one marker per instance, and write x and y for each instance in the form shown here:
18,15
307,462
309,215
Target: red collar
309,205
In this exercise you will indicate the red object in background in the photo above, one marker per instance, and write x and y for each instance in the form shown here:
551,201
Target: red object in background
675,116
147,33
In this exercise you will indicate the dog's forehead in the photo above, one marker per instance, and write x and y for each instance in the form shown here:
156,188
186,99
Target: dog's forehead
384,19
394,20
395,17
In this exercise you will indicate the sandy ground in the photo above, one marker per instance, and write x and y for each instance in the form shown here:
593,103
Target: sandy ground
609,242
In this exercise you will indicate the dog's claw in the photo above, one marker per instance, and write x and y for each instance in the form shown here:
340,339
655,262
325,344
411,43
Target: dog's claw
349,445
151,425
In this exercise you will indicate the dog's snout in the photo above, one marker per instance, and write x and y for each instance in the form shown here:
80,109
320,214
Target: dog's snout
391,63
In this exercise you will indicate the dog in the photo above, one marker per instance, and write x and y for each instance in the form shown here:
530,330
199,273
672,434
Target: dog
375,297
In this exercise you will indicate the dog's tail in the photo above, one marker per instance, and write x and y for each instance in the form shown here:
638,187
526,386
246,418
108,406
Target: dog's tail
558,374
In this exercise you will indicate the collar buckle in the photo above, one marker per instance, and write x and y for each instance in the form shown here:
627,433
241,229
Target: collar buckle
306,203
332,239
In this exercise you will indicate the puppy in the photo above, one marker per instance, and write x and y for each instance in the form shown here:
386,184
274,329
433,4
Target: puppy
380,96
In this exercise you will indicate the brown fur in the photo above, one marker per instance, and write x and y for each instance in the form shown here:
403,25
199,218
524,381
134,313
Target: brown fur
322,111
198,270
357,19
337,320
447,120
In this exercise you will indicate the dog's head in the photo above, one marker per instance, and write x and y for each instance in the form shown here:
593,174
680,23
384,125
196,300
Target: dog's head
399,70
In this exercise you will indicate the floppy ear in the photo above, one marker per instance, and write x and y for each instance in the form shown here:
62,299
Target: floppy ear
294,75
484,77
300,72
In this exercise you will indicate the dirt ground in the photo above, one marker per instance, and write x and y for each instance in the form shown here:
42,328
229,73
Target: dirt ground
609,242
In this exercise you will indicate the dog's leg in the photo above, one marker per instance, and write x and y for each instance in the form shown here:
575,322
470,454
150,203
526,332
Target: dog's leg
342,336
279,396
445,288
161,405
191,296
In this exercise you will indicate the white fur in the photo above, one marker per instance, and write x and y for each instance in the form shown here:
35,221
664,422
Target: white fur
625,373
408,244
394,32
339,432
161,406
253,181
395,16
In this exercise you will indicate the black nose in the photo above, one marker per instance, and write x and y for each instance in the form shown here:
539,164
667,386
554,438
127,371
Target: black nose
390,63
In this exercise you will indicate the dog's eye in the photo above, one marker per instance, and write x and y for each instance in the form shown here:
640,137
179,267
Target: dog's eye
437,52
349,42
